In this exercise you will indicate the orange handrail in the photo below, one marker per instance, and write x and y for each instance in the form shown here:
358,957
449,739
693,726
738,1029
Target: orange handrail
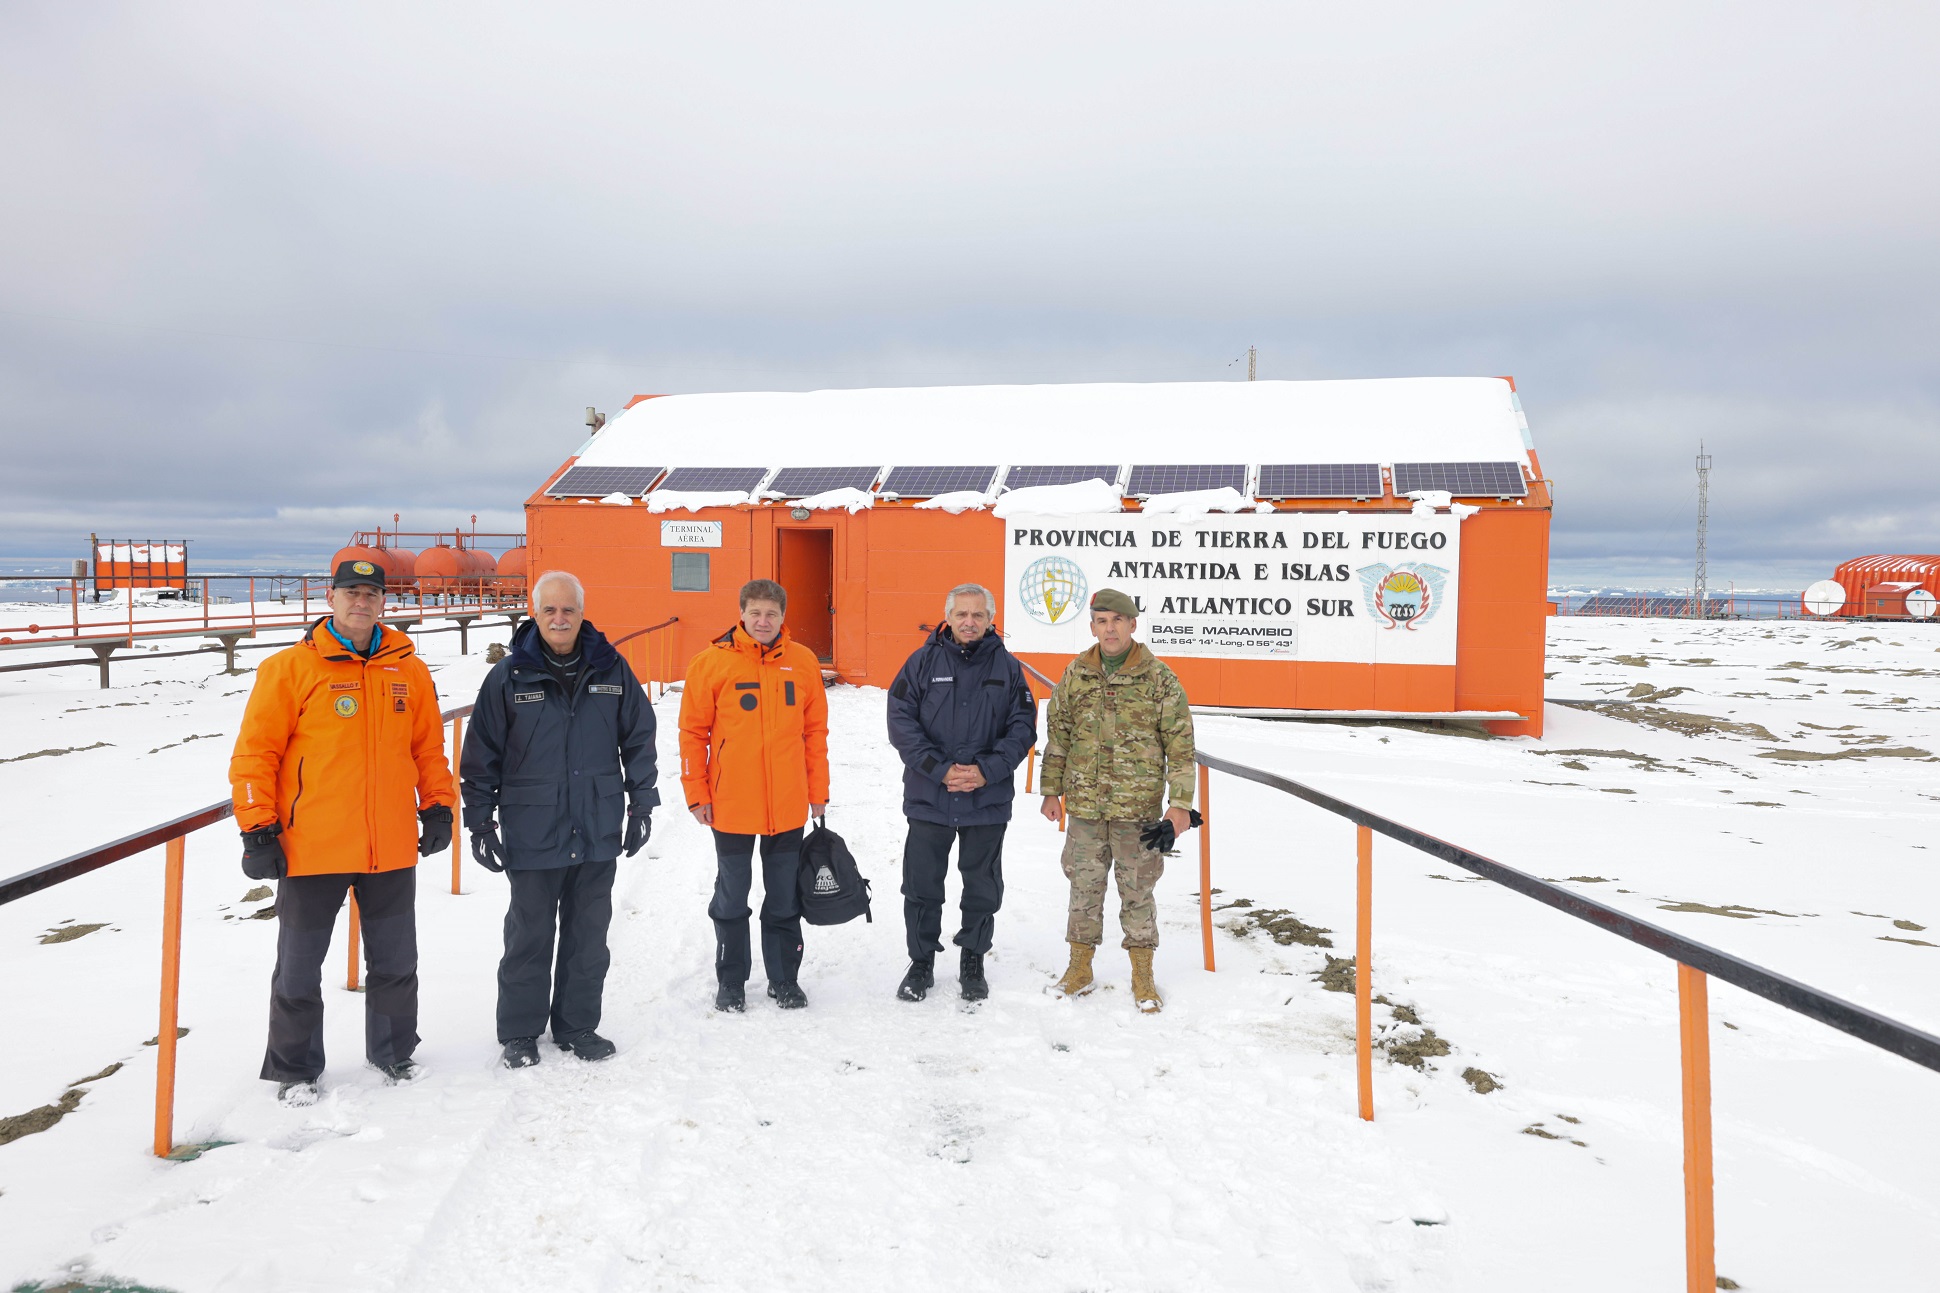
1364,968
1694,1036
1205,864
171,987
457,802
350,972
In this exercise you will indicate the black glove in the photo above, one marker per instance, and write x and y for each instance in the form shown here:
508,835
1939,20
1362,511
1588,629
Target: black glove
638,827
437,829
263,853
1160,835
487,851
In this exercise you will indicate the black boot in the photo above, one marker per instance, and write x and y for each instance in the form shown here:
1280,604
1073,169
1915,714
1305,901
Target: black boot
970,976
589,1046
520,1053
731,997
789,996
918,982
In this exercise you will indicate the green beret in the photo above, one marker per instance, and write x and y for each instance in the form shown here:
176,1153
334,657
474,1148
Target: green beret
1110,599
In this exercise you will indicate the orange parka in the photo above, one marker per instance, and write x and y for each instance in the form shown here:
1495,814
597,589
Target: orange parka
342,751
754,733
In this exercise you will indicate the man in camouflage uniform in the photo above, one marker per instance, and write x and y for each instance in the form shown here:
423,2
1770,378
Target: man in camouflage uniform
1118,745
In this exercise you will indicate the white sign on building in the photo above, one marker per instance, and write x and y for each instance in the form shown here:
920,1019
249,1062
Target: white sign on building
1358,588
690,534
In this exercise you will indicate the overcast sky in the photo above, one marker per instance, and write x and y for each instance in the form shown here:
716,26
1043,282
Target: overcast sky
272,272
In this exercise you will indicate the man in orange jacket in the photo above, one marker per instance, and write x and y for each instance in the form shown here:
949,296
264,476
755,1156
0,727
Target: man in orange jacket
754,764
340,761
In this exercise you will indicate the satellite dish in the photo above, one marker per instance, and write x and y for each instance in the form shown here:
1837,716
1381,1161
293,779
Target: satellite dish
1920,604
1827,597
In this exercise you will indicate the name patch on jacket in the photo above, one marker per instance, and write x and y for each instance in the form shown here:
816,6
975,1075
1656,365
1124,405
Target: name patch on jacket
345,686
527,697
605,689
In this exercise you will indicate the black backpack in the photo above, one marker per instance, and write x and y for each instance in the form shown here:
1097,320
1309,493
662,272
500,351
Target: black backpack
832,888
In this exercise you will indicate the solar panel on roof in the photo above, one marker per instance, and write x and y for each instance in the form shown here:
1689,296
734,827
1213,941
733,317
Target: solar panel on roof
800,482
1029,475
1176,478
1462,479
928,482
714,479
1319,480
598,482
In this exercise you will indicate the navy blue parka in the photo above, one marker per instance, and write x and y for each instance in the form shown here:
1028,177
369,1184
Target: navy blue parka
961,704
558,768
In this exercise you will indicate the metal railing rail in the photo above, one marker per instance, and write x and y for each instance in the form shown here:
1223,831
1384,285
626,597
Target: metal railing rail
1696,964
173,835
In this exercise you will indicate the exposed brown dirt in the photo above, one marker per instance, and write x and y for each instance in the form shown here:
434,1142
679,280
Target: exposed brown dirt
1338,974
48,754
1481,1083
38,1120
1676,720
259,893
1417,1051
1855,752
1732,910
1284,928
68,933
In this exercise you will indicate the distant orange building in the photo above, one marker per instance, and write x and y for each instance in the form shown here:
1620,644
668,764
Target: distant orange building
1266,529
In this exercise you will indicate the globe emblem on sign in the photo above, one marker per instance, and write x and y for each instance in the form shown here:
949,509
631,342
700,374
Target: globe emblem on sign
1053,590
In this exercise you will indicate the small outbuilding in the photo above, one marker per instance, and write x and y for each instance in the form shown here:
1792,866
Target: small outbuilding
1347,547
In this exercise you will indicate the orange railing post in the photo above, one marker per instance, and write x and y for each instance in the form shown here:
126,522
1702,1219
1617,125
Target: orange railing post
350,975
1364,967
1030,769
1694,1034
171,984
1205,862
457,803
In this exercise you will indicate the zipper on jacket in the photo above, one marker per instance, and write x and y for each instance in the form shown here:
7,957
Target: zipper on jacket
291,825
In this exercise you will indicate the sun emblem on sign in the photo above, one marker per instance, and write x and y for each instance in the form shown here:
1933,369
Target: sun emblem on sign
1402,596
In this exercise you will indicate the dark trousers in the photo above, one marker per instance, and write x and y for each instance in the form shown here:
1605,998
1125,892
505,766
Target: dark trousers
926,861
306,911
532,990
781,909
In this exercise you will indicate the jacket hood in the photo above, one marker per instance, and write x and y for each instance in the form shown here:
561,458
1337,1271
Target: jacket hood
392,644
528,649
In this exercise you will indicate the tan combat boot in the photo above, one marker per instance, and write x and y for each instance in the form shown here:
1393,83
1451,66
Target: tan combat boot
1077,975
1145,993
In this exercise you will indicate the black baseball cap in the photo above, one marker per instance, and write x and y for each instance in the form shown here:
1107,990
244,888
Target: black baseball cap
351,574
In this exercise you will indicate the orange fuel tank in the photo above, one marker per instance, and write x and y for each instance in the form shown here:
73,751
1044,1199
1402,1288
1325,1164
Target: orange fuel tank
512,568
438,570
398,564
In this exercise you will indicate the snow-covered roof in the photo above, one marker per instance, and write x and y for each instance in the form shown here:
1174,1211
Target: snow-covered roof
1414,419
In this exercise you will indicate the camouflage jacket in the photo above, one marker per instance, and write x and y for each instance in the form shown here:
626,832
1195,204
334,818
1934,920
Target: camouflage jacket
1116,748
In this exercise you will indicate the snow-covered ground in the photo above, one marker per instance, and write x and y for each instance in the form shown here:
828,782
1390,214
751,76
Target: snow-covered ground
1767,791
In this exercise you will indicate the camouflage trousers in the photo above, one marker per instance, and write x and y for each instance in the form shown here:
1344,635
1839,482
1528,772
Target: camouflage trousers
1091,850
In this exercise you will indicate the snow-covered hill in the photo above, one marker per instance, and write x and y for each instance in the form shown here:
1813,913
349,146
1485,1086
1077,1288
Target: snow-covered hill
1765,788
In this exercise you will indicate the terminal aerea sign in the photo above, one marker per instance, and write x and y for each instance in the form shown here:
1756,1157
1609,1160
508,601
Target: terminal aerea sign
1376,589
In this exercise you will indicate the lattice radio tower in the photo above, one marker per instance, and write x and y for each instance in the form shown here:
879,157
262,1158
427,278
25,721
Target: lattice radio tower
1704,521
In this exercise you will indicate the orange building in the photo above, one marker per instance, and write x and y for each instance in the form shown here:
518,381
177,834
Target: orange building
1349,547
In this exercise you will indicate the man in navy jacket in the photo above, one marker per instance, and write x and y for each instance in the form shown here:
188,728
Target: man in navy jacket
963,718
556,722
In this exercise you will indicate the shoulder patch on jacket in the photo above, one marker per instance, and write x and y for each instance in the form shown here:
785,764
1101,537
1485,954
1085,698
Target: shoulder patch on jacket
606,689
527,697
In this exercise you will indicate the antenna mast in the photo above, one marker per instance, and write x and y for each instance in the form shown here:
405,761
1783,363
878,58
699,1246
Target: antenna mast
1252,361
1703,524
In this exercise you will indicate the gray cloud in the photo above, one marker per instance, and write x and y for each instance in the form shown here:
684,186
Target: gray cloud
272,270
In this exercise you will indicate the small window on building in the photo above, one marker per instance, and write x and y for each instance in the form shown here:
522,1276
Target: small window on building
690,572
